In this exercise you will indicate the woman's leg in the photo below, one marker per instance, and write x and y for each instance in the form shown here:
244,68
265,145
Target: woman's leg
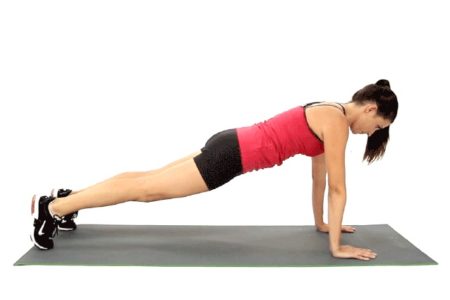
178,179
143,173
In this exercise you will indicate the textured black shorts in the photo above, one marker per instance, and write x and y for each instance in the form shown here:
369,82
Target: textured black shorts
220,160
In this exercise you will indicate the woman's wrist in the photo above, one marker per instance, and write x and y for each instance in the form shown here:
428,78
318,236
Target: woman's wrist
319,223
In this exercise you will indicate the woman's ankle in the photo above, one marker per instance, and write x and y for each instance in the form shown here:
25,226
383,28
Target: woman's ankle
54,212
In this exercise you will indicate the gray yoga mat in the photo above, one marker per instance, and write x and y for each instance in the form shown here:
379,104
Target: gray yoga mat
220,246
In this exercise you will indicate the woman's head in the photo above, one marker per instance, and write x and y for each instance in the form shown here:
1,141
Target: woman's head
379,110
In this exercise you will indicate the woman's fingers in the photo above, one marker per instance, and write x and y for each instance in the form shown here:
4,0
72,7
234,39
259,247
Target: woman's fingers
366,254
347,251
349,229
344,228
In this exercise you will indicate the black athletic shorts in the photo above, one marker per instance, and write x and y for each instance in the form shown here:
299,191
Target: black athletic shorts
220,160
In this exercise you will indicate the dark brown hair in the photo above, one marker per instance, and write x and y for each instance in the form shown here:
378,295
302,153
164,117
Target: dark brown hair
386,100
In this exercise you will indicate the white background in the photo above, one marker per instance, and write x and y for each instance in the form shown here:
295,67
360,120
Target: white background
90,89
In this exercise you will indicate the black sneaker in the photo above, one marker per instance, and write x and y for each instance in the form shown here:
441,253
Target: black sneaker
67,222
45,227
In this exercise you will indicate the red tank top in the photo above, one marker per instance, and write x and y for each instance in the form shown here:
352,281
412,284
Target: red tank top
270,142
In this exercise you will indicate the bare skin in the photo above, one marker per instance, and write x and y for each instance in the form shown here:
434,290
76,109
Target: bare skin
182,178
178,179
332,127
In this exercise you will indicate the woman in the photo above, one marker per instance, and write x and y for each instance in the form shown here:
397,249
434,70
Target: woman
318,129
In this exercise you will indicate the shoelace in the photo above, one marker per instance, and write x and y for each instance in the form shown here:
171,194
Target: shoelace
55,231
56,220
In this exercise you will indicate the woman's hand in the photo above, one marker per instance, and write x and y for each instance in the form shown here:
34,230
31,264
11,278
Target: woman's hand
324,228
353,252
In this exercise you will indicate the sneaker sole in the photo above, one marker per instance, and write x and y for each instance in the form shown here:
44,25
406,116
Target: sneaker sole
35,206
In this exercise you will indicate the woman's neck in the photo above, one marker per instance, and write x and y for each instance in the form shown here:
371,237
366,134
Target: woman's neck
352,111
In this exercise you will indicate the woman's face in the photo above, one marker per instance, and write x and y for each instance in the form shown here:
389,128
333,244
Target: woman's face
368,121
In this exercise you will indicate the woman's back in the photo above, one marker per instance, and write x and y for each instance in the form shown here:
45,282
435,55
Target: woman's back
270,142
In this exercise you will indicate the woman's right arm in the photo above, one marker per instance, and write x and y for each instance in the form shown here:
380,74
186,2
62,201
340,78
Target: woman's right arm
335,134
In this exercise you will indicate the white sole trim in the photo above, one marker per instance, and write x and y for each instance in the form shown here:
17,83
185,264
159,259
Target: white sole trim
34,241
65,229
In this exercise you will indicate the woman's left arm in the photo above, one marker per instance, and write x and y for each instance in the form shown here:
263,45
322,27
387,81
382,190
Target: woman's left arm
319,178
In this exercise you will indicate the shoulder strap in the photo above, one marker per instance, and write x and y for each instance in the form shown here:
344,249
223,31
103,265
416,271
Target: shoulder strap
311,103
325,104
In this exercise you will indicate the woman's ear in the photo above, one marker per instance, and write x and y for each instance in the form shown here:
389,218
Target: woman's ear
371,108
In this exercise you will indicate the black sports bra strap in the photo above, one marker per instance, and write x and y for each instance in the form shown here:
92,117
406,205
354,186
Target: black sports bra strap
325,104
311,103
343,108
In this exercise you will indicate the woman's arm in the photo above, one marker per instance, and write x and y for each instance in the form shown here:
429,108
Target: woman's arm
319,176
335,135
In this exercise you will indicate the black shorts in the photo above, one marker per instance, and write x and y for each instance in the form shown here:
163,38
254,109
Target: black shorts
220,160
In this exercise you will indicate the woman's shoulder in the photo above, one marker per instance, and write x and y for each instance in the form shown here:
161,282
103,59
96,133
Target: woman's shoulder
326,115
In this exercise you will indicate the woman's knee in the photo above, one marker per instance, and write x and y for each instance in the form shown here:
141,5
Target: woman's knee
179,181
149,190
151,198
